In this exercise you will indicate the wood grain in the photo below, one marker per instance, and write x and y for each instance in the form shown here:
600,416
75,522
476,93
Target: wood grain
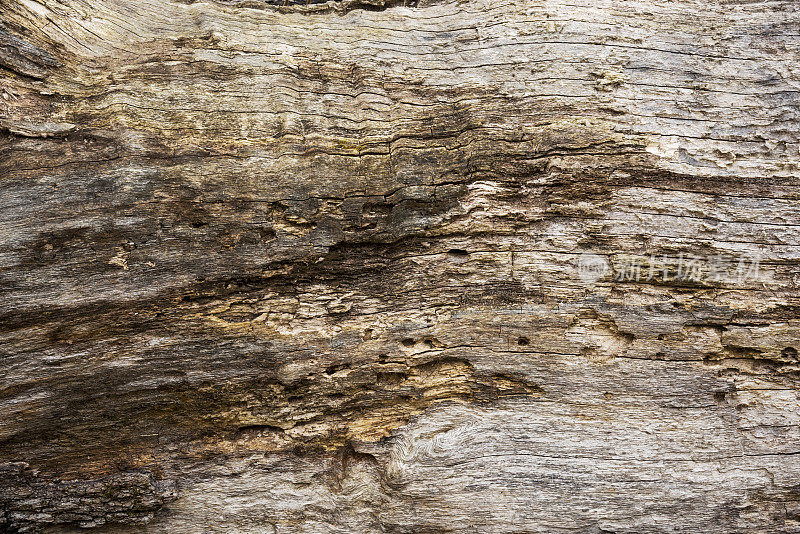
322,267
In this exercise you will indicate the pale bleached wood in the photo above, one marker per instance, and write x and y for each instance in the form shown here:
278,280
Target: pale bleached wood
315,268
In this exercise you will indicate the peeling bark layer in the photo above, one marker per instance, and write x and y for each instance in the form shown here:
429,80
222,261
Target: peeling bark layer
441,266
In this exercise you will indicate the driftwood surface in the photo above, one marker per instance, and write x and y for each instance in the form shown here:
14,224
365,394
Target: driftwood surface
403,267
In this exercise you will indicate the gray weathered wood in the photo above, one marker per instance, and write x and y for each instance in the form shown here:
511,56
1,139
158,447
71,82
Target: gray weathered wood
322,268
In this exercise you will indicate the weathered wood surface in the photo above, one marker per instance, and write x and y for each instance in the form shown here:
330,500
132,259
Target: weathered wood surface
315,268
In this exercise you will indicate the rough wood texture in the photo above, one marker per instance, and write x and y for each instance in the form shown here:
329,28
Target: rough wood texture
318,268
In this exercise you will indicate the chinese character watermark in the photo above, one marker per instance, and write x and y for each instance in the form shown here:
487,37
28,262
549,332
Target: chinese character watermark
665,269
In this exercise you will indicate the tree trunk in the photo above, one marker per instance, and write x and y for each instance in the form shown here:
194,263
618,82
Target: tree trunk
403,267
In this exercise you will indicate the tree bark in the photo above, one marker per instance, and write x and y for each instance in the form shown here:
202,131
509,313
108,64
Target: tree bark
404,267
